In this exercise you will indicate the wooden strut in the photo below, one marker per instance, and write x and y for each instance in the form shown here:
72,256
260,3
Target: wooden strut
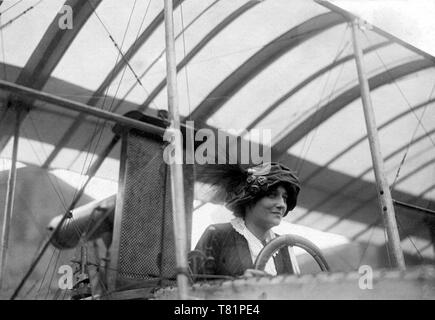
176,167
384,194
9,205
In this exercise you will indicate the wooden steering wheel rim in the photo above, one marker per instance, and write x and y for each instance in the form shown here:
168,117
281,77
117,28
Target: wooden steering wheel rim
290,240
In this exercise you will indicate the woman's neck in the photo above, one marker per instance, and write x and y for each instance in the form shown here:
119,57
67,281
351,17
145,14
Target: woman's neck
257,231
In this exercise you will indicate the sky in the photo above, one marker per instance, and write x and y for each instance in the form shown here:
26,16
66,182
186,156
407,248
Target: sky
411,21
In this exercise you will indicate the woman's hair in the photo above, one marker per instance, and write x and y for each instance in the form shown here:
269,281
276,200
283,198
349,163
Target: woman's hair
240,211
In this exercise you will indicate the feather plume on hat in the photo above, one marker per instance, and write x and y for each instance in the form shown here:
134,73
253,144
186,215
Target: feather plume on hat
222,180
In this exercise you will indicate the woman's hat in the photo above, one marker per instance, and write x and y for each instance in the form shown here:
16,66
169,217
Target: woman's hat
259,180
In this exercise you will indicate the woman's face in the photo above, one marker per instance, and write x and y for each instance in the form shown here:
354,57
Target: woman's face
269,210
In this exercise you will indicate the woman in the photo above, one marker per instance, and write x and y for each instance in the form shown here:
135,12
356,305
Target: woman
259,199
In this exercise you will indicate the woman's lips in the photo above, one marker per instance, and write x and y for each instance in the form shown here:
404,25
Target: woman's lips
277,213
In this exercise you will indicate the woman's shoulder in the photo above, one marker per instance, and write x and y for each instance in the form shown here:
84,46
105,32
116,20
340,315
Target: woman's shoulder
220,227
215,234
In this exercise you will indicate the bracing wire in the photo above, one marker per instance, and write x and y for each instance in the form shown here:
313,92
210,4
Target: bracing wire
52,274
247,49
33,258
45,273
118,49
39,255
3,53
387,247
186,73
57,294
137,37
352,267
111,108
304,156
402,162
337,55
64,294
184,52
401,92
7,9
55,188
408,236
99,128
372,229
32,287
18,16
161,54
100,282
32,214
96,129
340,50
87,163
122,45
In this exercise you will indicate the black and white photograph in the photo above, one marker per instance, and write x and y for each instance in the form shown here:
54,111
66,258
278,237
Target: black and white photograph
217,153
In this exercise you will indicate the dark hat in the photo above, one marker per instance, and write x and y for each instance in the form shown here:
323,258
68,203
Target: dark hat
262,178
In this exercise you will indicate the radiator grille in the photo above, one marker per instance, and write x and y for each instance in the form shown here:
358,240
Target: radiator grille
146,240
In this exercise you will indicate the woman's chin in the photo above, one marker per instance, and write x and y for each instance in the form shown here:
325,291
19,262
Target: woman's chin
276,220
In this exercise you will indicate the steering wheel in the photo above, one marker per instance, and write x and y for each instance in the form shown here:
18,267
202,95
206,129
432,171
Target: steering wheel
289,240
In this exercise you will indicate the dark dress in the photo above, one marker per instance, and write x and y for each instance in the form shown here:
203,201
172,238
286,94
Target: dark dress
228,253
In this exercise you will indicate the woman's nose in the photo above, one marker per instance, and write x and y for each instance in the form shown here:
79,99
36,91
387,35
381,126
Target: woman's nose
281,202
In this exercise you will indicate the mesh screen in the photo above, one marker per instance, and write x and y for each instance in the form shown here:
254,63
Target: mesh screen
146,247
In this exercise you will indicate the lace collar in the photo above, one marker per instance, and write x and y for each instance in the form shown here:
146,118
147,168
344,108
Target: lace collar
254,244
240,226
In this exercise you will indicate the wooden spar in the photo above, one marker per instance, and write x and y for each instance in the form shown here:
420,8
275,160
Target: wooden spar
414,207
384,194
177,181
26,92
9,205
